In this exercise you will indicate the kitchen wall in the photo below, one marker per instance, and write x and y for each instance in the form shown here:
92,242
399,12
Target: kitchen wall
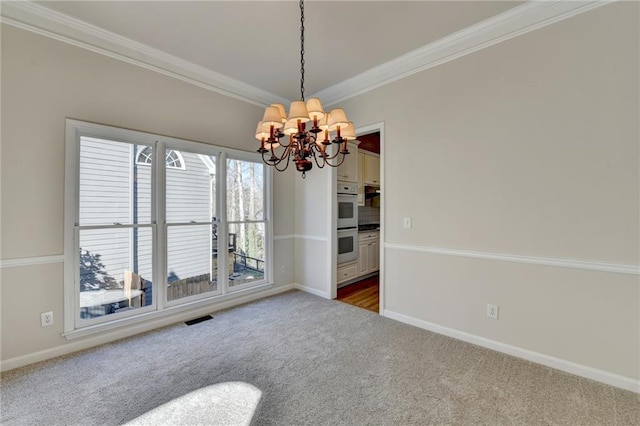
519,167
45,81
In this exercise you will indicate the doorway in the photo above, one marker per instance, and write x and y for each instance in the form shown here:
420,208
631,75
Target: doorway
362,282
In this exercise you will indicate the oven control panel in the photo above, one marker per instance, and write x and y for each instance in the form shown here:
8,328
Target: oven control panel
347,188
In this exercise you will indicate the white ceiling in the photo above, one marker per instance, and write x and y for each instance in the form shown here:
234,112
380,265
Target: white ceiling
258,42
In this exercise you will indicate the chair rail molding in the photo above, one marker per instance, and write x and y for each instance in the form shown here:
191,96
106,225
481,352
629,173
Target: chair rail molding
300,237
545,261
31,261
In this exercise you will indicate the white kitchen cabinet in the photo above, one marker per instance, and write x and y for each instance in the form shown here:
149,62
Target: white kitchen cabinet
348,170
371,170
363,258
368,252
347,271
374,256
360,178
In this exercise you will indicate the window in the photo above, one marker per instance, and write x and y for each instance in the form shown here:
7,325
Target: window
139,240
114,232
192,266
173,159
245,215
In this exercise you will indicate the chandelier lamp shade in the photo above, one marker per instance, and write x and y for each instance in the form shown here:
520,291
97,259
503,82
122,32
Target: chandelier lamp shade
308,134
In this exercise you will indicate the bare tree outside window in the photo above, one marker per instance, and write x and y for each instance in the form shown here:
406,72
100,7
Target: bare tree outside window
245,213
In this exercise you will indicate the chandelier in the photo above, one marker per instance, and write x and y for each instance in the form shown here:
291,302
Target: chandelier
304,144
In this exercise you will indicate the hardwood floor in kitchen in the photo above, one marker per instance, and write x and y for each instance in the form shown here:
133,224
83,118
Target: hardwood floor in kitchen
364,294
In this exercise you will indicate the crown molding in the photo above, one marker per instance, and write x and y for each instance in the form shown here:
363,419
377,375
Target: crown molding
507,25
44,21
512,23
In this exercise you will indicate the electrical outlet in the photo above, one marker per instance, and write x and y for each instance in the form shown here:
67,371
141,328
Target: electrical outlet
46,319
406,222
283,269
492,311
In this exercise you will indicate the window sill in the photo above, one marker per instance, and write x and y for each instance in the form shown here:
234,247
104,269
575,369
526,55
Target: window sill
151,320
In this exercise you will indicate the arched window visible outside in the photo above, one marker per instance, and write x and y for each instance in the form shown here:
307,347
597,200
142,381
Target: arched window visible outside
173,159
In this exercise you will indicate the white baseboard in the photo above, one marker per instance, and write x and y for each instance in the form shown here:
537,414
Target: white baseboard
95,340
549,361
312,290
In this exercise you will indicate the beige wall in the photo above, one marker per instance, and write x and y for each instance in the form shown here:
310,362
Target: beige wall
312,223
284,226
44,82
530,148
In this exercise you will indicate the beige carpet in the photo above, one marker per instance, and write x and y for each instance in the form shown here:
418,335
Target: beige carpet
310,361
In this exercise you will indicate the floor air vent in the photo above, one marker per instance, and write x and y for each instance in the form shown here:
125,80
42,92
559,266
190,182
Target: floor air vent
197,320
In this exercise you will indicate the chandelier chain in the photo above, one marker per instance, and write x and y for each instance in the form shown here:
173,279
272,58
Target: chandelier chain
303,144
302,49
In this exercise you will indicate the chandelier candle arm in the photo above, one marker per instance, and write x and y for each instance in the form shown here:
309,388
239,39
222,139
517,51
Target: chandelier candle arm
303,143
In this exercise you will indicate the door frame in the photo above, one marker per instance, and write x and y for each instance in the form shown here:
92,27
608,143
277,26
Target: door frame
332,246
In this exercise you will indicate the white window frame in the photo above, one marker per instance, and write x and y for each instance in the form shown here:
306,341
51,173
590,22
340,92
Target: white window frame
160,308
242,156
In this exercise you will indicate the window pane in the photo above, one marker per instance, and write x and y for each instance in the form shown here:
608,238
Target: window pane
113,188
190,190
115,270
192,260
173,159
247,253
245,185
